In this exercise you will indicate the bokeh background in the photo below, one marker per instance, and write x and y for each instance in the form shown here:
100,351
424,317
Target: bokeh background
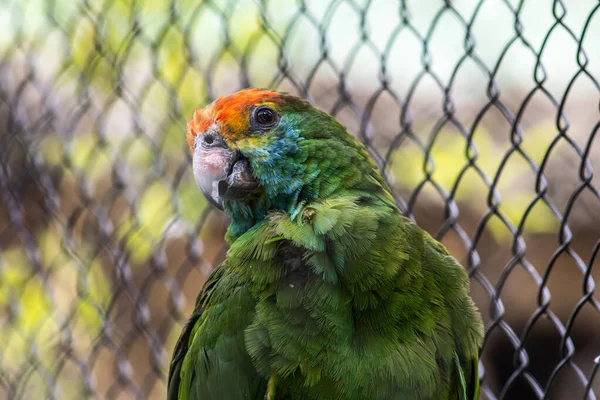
482,114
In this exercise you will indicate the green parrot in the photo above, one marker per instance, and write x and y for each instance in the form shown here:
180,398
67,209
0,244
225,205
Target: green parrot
327,291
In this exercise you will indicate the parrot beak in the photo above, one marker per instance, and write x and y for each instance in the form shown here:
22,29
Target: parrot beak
221,173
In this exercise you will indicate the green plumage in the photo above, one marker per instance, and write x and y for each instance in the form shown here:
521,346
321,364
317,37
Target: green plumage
336,297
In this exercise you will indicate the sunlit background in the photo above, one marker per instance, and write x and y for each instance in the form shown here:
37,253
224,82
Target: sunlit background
482,114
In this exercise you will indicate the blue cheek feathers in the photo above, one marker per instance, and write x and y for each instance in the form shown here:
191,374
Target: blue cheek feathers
282,172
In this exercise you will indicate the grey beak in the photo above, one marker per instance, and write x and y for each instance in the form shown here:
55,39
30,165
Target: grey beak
220,172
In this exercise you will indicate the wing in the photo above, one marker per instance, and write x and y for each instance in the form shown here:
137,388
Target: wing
182,345
210,359
467,378
474,386
181,349
466,324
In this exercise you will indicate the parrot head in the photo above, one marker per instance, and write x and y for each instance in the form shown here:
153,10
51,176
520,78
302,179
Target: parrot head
258,150
226,135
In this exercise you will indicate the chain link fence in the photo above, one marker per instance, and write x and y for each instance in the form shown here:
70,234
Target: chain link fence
482,115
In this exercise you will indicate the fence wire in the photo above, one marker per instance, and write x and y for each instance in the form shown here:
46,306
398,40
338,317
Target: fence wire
482,115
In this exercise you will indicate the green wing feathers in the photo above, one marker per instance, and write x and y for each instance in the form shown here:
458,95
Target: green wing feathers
210,360
467,379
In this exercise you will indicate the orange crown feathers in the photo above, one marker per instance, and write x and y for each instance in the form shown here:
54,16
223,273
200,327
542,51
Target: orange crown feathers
230,113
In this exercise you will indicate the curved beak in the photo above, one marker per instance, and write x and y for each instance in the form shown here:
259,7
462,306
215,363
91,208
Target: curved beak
221,173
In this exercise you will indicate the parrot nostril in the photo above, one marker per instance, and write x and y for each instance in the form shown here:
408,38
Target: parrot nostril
208,138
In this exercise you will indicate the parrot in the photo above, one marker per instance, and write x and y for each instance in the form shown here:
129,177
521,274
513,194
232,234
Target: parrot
327,290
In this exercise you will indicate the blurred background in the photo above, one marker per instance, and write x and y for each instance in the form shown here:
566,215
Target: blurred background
482,114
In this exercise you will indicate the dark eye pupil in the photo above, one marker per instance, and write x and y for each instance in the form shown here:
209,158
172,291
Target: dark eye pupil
265,117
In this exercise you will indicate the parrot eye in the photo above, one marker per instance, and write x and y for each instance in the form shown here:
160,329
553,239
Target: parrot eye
264,118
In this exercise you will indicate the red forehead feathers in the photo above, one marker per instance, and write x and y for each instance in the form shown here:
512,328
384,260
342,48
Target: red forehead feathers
229,112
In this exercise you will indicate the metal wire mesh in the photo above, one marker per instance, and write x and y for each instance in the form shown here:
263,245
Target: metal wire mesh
482,116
